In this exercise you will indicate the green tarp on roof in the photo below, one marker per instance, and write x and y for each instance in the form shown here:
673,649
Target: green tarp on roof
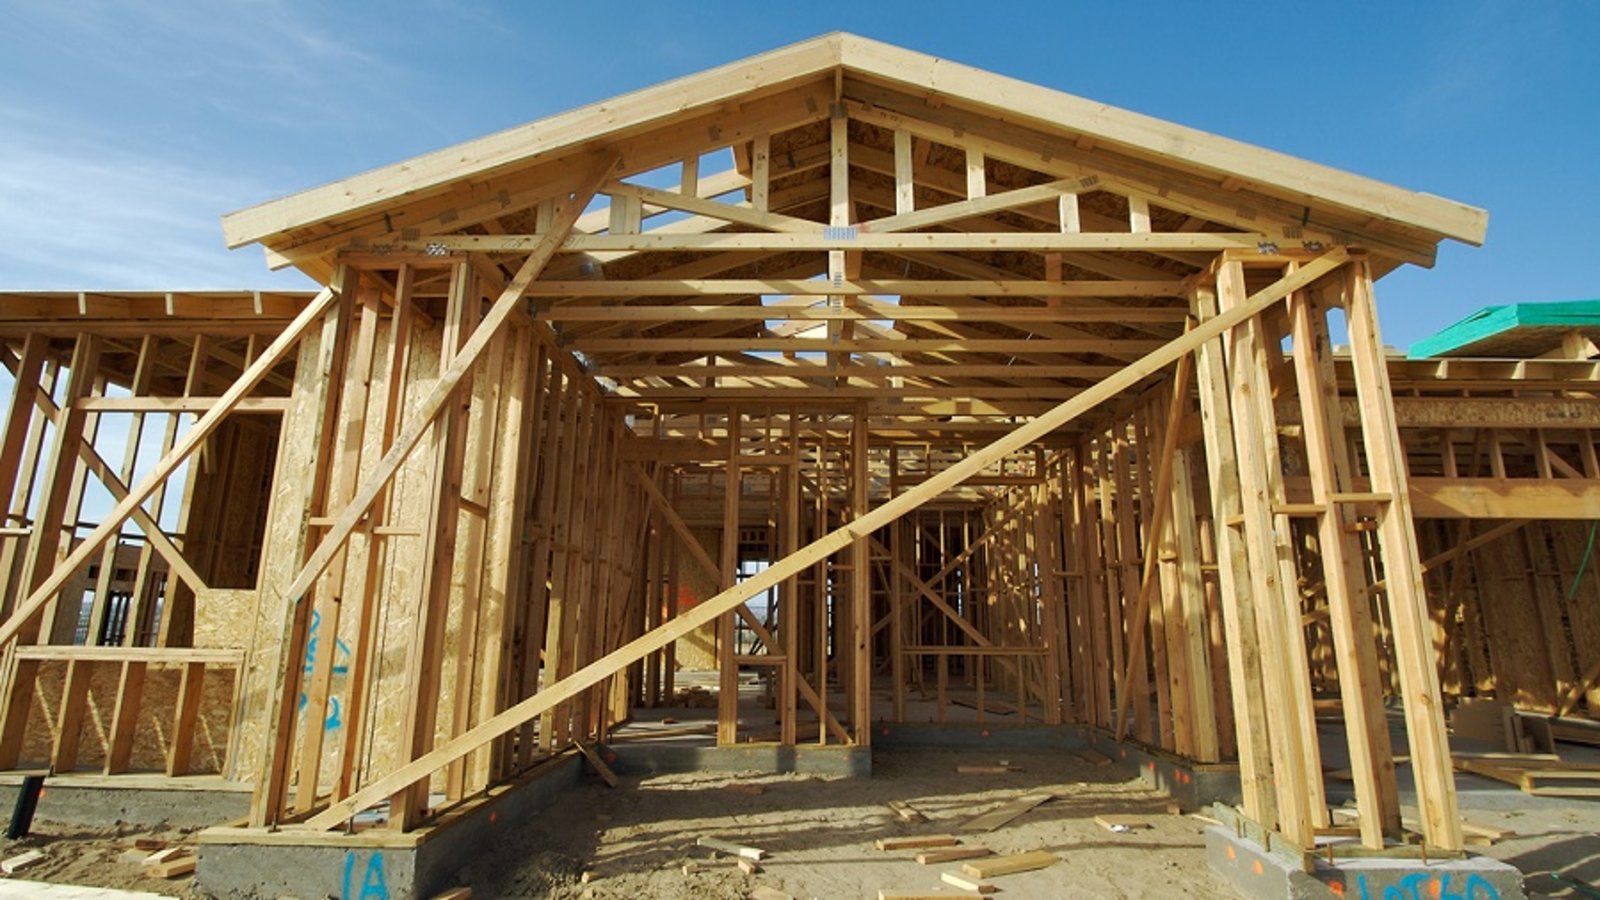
1517,330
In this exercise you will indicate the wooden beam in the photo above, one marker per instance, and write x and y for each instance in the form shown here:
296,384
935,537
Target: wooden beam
965,209
1061,114
697,551
863,311
821,241
1005,346
805,287
1406,595
727,212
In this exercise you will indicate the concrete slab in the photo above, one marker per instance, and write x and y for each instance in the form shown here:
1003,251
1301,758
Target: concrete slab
1260,875
1193,785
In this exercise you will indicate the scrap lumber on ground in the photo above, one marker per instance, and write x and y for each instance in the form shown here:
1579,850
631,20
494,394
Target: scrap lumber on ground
1010,865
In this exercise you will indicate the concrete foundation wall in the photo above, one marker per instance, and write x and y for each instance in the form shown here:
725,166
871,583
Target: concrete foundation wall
649,759
1259,875
359,866
77,802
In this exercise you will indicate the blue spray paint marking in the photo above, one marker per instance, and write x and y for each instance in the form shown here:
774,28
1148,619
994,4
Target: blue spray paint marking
1411,887
341,650
373,884
341,666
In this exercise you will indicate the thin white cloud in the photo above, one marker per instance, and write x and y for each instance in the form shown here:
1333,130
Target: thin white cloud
82,214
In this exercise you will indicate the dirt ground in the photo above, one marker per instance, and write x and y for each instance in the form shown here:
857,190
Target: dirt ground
819,834
633,841
101,856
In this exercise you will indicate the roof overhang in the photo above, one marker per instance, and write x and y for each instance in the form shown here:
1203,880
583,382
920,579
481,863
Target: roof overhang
1050,115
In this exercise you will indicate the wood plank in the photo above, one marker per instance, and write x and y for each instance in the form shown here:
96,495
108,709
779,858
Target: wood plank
1005,346
421,421
863,311
891,287
906,812
549,138
725,211
1010,865
69,720
967,883
818,241
977,205
1366,725
125,718
191,687
600,767
951,854
1006,812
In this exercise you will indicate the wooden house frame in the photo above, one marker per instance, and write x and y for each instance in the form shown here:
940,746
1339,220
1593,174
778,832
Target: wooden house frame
1011,387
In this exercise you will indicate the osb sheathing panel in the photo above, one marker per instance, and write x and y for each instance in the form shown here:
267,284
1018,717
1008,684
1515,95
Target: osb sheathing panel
493,480
239,517
1519,648
1580,583
157,710
698,650
282,551
399,573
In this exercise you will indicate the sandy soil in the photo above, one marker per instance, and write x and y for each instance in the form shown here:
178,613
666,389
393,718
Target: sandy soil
102,856
819,833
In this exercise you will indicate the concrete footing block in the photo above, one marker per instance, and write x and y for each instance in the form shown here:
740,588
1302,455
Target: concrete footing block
1260,875
236,863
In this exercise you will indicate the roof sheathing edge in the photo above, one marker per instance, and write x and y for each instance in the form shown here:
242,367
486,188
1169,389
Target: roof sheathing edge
1019,99
550,136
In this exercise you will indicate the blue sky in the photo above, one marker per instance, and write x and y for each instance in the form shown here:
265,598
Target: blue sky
127,128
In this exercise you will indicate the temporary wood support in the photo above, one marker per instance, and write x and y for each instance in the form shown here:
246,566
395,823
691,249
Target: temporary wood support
1367,729
1407,599
1291,723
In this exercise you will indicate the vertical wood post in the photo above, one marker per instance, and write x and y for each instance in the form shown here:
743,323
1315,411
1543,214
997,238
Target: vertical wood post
1397,542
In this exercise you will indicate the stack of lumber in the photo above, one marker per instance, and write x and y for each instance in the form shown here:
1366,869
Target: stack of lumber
1541,775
